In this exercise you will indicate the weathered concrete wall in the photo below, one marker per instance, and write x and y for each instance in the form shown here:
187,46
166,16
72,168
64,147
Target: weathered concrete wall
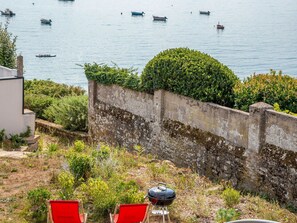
256,151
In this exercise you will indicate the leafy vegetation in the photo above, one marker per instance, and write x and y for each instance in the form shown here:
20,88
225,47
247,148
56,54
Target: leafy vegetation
70,112
270,88
37,204
231,197
7,48
224,215
107,75
190,73
59,103
182,71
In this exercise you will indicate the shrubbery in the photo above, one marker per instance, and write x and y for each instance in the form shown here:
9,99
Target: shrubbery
182,71
70,112
104,74
190,73
37,204
59,103
7,48
270,88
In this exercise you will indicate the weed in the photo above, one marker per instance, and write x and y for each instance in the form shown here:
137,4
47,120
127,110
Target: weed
224,215
37,204
79,146
231,197
16,140
53,147
66,182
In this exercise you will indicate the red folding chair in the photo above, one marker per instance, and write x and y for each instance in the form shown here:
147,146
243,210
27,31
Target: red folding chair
61,211
130,213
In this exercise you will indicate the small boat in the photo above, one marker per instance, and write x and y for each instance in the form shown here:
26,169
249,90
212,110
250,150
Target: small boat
220,26
160,18
137,13
7,12
46,21
46,55
204,12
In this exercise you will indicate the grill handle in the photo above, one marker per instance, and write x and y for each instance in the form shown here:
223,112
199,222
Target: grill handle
162,186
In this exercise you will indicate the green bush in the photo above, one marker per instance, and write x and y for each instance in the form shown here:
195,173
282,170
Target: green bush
2,135
270,88
107,75
231,197
190,73
79,146
40,94
224,215
37,204
52,147
80,165
17,140
277,108
7,48
51,89
66,183
70,112
38,103
98,194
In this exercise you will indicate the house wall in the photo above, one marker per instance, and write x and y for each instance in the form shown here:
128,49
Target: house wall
13,118
255,151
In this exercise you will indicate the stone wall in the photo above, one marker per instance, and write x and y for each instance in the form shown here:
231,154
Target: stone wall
256,151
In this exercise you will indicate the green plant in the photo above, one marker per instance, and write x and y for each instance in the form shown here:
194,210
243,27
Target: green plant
52,147
128,192
80,165
224,215
71,112
51,89
17,140
98,193
7,48
37,204
66,182
26,133
79,146
277,108
190,73
102,152
38,103
270,88
2,135
231,197
107,75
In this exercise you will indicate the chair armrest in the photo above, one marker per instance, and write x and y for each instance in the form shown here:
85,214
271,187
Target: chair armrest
111,218
85,217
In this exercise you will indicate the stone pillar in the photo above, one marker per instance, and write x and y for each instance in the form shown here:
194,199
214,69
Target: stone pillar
92,88
158,105
256,137
20,66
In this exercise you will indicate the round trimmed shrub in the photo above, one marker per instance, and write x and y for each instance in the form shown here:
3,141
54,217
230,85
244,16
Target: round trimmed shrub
270,88
190,73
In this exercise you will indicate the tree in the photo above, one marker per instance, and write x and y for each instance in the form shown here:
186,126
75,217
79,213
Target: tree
7,48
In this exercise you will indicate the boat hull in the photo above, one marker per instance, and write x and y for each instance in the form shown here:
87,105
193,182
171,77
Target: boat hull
137,13
158,18
204,12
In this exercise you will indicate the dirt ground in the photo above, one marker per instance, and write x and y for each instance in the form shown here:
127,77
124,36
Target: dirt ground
18,175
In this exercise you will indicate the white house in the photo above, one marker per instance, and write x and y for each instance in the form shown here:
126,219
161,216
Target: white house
13,117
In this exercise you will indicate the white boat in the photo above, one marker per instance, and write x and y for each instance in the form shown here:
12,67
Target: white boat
7,12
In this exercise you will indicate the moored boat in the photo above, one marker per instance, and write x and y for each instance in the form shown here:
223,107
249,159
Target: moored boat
160,18
46,21
7,12
220,26
137,13
46,55
204,12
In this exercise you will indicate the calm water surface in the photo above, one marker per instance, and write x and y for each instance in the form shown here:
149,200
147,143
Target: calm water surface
258,35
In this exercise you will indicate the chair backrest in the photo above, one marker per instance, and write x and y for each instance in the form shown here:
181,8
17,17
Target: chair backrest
65,211
252,221
132,213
